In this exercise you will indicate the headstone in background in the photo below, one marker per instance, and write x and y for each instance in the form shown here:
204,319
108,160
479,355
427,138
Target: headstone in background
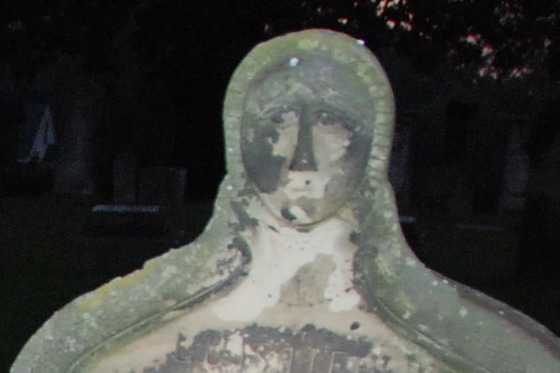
74,171
11,118
539,249
117,239
487,146
516,174
28,148
162,186
539,254
38,140
126,220
477,163
125,178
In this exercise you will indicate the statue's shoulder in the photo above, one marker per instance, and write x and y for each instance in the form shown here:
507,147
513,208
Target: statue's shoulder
144,299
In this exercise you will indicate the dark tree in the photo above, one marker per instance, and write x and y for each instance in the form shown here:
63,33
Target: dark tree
35,32
505,38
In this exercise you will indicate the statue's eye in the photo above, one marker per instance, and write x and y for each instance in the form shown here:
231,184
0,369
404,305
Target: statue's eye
281,117
277,117
327,118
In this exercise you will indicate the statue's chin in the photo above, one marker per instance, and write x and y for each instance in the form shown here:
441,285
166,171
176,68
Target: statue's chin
298,213
295,215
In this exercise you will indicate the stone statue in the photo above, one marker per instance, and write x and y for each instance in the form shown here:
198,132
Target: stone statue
303,267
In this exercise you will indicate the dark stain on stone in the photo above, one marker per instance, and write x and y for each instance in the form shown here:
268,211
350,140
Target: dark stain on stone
287,214
307,350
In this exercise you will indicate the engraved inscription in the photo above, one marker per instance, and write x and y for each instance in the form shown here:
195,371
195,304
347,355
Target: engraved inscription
266,349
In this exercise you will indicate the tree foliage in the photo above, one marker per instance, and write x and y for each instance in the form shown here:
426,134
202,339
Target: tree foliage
504,38
35,32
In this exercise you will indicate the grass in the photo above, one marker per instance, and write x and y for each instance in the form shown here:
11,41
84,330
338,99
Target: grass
39,273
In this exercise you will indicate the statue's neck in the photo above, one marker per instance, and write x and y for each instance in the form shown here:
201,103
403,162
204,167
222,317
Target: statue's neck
279,227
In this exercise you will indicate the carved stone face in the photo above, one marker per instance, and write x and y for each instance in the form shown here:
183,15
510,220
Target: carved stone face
303,146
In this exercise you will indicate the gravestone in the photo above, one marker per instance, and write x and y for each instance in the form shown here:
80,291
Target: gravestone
116,239
162,185
75,168
125,178
539,256
303,267
516,173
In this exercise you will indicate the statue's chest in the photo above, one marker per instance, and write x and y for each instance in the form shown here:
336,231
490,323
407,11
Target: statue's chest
307,322
257,348
283,339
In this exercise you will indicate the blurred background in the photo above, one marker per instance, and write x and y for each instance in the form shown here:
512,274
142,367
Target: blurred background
111,149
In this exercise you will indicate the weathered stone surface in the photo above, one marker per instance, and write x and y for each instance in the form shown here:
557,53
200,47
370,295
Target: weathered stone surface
303,267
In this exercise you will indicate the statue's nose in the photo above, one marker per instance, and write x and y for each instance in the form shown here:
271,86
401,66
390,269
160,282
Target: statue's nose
304,157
